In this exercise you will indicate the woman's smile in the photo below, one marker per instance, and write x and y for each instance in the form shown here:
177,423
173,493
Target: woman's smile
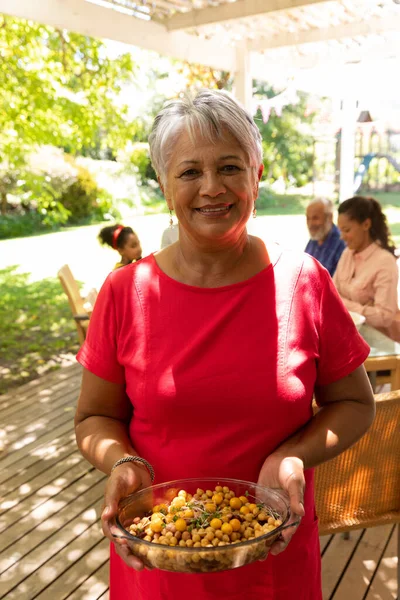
214,211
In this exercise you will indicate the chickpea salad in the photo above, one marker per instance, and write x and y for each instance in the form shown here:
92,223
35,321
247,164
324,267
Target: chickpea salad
208,518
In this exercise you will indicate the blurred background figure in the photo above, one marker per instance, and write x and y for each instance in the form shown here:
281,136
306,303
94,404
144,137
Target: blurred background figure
367,274
325,243
170,235
124,240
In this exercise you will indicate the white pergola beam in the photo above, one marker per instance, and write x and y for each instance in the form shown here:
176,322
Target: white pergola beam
92,20
232,10
348,30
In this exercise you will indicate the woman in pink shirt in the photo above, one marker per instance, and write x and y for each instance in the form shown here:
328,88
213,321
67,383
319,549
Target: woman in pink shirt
367,274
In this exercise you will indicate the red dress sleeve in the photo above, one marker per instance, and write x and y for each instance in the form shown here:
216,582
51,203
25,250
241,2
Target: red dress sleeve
99,353
341,347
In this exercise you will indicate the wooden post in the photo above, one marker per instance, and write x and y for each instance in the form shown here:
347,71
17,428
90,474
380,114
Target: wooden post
347,150
243,87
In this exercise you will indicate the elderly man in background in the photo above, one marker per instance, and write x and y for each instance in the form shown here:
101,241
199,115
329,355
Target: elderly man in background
325,244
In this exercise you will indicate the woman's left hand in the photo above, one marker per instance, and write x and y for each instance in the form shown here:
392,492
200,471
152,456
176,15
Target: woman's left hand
286,473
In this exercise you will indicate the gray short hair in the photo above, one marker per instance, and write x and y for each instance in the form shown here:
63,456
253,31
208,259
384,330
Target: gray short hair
327,204
211,112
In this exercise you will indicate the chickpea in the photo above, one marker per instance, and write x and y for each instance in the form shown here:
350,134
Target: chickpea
182,543
215,541
226,538
197,545
189,543
210,536
226,528
173,541
182,493
218,534
196,537
218,489
216,523
157,525
186,536
209,493
178,535
178,503
235,524
235,503
225,489
217,499
199,492
180,525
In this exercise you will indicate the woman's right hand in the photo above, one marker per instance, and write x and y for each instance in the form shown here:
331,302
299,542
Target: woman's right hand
123,481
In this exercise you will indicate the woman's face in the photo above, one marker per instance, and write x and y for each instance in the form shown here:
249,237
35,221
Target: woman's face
355,235
132,249
211,188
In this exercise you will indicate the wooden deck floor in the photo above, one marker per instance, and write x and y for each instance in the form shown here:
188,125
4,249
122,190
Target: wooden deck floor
51,544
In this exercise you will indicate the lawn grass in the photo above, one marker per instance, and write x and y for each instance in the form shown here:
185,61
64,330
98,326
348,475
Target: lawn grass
36,328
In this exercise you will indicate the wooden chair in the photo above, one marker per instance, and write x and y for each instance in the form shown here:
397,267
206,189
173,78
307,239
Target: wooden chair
360,488
81,307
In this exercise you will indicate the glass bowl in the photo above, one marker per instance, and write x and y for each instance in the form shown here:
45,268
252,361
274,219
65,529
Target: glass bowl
204,559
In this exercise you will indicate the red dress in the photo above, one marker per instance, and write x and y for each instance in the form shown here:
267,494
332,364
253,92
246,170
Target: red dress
218,378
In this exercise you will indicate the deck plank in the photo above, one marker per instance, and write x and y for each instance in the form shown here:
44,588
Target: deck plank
25,446
335,559
42,394
42,452
51,575
356,579
27,420
95,587
54,532
21,393
34,493
385,584
65,447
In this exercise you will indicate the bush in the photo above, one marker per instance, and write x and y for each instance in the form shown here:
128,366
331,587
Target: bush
138,158
17,225
83,199
54,191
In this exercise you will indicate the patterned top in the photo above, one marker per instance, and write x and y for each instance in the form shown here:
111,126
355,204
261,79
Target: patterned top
329,252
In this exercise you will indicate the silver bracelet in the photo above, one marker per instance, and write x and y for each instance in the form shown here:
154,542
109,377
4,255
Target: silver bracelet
137,459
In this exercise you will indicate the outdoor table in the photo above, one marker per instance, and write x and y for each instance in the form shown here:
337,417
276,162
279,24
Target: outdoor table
384,356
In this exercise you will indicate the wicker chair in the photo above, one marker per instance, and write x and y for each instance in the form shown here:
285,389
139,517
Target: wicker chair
81,307
361,487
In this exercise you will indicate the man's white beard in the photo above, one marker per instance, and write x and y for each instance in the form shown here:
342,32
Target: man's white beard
322,233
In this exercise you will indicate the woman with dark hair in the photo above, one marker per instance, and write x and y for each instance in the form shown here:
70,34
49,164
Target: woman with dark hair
124,240
367,274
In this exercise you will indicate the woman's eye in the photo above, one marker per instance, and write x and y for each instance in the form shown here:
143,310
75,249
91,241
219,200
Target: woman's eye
230,168
189,173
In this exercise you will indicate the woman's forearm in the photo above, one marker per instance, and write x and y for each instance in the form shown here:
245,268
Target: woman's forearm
103,441
336,427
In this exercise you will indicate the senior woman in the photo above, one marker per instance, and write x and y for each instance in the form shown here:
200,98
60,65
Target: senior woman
202,360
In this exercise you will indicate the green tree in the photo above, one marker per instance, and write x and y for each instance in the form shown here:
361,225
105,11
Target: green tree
58,88
287,141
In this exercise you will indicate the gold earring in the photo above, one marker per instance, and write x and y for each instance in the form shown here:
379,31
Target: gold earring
254,212
171,222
